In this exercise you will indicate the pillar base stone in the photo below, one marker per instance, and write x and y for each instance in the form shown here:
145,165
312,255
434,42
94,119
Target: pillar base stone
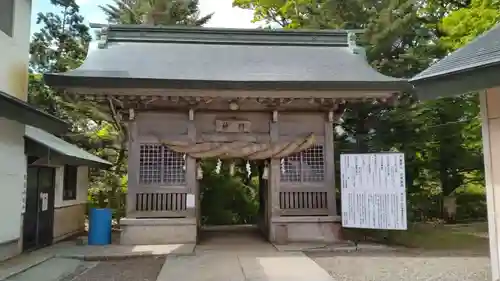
326,229
158,231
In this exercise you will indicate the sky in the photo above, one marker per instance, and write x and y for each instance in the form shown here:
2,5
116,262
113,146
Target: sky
225,15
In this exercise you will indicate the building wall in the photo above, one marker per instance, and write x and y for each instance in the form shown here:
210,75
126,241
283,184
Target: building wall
12,184
14,66
69,216
14,52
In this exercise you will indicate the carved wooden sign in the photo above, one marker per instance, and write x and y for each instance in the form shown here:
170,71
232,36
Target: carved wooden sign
232,126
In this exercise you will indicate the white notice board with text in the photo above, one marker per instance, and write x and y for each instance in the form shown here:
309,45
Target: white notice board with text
373,191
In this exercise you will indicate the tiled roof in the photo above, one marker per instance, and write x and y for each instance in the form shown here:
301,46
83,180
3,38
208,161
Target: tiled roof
186,55
481,52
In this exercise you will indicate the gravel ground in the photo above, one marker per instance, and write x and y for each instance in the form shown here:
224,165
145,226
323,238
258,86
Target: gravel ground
408,265
136,269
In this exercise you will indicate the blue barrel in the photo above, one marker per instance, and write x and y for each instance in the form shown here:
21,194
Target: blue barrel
99,226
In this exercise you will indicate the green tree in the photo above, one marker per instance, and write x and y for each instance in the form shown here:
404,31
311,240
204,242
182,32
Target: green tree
439,138
465,24
156,12
458,28
59,46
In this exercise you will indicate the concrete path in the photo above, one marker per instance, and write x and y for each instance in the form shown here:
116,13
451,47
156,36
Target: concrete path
69,251
240,256
51,270
239,266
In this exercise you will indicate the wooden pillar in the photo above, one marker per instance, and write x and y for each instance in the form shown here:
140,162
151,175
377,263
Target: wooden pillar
274,168
330,165
191,181
132,165
490,113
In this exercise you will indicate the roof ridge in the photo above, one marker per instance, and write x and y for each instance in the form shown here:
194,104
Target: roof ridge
226,36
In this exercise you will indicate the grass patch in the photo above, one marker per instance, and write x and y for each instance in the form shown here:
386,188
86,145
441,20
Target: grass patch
479,228
424,236
438,238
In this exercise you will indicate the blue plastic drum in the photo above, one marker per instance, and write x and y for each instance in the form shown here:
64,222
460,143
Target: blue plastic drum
99,226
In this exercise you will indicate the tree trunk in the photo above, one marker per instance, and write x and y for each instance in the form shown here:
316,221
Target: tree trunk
450,208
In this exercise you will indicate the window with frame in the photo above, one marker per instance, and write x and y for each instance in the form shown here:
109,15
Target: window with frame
70,182
159,165
306,166
7,17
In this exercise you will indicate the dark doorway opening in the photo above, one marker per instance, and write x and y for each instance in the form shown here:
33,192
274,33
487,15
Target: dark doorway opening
232,236
233,203
38,224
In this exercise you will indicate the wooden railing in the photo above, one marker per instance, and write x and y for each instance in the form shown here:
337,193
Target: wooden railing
303,203
159,203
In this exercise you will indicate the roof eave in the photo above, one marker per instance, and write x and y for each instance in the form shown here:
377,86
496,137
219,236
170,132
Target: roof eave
452,84
15,109
76,161
451,72
95,164
64,149
66,81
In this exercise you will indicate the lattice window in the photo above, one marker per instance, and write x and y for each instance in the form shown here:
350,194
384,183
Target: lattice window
160,165
290,168
306,166
174,167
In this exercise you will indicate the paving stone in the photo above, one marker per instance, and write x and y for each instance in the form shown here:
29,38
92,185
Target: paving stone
202,267
282,267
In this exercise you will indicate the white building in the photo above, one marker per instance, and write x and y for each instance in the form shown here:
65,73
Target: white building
43,179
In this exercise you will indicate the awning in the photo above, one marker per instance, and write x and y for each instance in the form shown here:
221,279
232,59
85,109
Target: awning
15,109
68,152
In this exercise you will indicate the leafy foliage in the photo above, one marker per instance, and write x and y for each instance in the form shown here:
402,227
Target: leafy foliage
465,24
61,45
226,198
441,138
156,12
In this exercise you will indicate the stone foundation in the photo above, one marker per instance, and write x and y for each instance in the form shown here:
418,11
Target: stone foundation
10,249
158,231
286,230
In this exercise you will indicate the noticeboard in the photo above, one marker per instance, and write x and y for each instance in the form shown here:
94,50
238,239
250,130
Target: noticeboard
373,190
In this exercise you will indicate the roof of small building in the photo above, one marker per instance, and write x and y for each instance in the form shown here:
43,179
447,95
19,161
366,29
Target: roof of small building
470,68
136,56
62,147
18,110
